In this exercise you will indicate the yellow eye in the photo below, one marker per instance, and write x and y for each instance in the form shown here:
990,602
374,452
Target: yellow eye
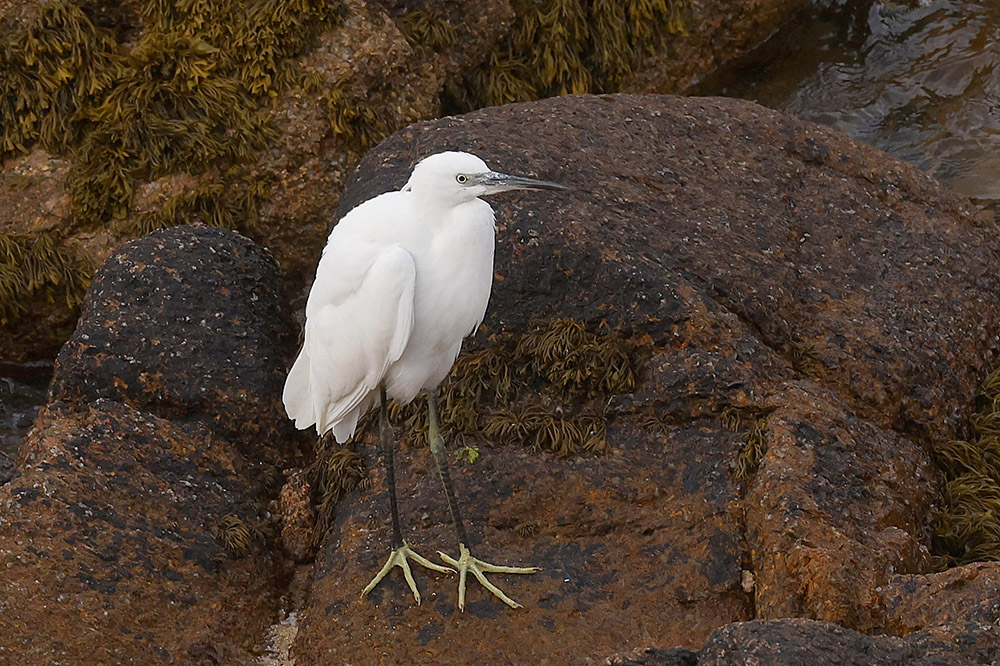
462,178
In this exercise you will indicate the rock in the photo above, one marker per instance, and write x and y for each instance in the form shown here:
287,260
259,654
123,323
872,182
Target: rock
622,541
806,310
656,657
718,34
135,526
298,517
791,257
793,642
836,509
368,82
112,551
189,324
957,607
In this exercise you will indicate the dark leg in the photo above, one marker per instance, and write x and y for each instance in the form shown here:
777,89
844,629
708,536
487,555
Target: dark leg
441,461
400,549
386,443
465,562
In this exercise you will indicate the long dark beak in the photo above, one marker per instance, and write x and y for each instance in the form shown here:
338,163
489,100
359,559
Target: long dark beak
502,182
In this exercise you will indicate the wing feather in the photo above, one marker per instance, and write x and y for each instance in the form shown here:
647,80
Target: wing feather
358,321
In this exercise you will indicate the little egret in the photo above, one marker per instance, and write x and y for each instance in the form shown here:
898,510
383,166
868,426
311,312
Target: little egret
403,279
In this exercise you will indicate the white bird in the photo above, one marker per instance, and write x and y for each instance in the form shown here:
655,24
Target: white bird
403,279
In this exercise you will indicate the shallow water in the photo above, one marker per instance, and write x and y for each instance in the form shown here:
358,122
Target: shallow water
22,393
918,79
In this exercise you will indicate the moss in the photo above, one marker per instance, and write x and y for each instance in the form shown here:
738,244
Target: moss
557,47
967,526
34,265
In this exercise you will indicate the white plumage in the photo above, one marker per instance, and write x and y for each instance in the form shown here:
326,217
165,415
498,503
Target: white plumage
404,277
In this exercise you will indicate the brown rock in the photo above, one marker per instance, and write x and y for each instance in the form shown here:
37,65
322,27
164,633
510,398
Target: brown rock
836,509
835,298
129,537
958,607
376,71
643,539
382,83
855,268
111,551
298,517
795,642
718,33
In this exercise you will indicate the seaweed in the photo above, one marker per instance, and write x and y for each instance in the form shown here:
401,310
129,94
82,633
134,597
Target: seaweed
57,65
546,389
558,47
336,471
967,524
235,535
172,112
228,202
427,30
752,450
36,264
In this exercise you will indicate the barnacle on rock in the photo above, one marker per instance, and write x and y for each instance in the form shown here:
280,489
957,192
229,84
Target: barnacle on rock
36,264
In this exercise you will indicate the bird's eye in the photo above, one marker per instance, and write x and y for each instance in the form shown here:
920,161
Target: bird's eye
462,178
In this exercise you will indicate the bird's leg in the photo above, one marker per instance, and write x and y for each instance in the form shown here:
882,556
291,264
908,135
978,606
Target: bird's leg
465,562
400,549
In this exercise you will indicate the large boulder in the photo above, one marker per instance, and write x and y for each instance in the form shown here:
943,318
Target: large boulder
135,527
803,311
189,324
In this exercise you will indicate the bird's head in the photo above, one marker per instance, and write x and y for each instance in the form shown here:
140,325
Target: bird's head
454,177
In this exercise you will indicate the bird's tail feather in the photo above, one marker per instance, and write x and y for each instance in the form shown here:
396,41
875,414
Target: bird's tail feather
297,395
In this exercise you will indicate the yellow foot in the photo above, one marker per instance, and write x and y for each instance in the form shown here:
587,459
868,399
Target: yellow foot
397,558
466,562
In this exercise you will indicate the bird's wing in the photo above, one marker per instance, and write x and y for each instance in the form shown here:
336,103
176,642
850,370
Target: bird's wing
358,321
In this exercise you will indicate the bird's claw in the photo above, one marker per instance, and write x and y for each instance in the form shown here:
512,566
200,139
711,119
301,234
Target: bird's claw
398,558
466,562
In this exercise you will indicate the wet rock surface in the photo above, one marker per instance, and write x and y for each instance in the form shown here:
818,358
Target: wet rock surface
797,641
111,550
781,279
135,528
